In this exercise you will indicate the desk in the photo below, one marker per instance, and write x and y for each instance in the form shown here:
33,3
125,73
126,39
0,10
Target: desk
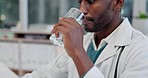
5,72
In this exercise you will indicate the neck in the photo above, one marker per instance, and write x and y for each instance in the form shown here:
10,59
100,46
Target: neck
98,36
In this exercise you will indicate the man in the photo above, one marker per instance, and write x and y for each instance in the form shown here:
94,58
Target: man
114,48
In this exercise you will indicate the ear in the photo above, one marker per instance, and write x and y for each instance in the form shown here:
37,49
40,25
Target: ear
118,4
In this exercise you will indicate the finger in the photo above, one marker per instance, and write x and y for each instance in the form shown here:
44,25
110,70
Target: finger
64,24
69,20
57,34
69,23
60,29
53,29
72,22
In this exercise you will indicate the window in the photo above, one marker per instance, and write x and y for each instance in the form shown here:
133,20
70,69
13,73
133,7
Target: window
39,11
147,6
127,9
45,12
9,12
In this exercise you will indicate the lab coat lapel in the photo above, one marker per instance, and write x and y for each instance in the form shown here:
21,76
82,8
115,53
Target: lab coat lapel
108,52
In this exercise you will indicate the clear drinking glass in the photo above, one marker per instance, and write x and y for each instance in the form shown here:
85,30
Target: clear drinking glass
74,13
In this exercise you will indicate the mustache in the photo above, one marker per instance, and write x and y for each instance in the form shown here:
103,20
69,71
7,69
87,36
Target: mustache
89,18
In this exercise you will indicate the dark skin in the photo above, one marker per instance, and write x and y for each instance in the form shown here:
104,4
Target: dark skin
103,17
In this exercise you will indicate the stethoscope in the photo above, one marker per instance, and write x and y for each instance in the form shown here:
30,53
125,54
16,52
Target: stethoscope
121,50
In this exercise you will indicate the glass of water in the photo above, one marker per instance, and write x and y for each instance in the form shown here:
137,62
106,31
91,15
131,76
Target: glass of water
74,13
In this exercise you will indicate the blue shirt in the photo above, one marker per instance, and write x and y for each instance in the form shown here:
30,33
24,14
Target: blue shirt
94,54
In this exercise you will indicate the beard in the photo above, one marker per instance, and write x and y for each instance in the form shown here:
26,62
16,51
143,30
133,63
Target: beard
99,22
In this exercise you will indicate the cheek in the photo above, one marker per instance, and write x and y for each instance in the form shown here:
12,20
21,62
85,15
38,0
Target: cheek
99,8
95,11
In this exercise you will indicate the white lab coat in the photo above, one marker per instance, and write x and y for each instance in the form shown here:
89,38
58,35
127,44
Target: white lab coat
133,61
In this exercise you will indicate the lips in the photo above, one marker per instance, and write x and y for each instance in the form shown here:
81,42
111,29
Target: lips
86,22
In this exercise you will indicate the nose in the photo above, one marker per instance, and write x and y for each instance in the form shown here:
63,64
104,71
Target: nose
84,7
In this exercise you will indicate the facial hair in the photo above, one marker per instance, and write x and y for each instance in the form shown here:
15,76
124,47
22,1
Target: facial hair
100,22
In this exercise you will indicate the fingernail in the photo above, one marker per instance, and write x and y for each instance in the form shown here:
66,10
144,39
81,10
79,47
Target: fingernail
52,31
60,17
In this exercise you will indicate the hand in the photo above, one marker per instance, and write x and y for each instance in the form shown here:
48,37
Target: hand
72,34
73,43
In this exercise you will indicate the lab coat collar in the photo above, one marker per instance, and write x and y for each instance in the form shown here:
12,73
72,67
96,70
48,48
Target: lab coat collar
122,34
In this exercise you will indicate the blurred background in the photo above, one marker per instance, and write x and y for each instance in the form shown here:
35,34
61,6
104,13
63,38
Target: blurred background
25,27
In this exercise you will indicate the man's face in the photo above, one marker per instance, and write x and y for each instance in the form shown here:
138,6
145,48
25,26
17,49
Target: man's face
99,14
